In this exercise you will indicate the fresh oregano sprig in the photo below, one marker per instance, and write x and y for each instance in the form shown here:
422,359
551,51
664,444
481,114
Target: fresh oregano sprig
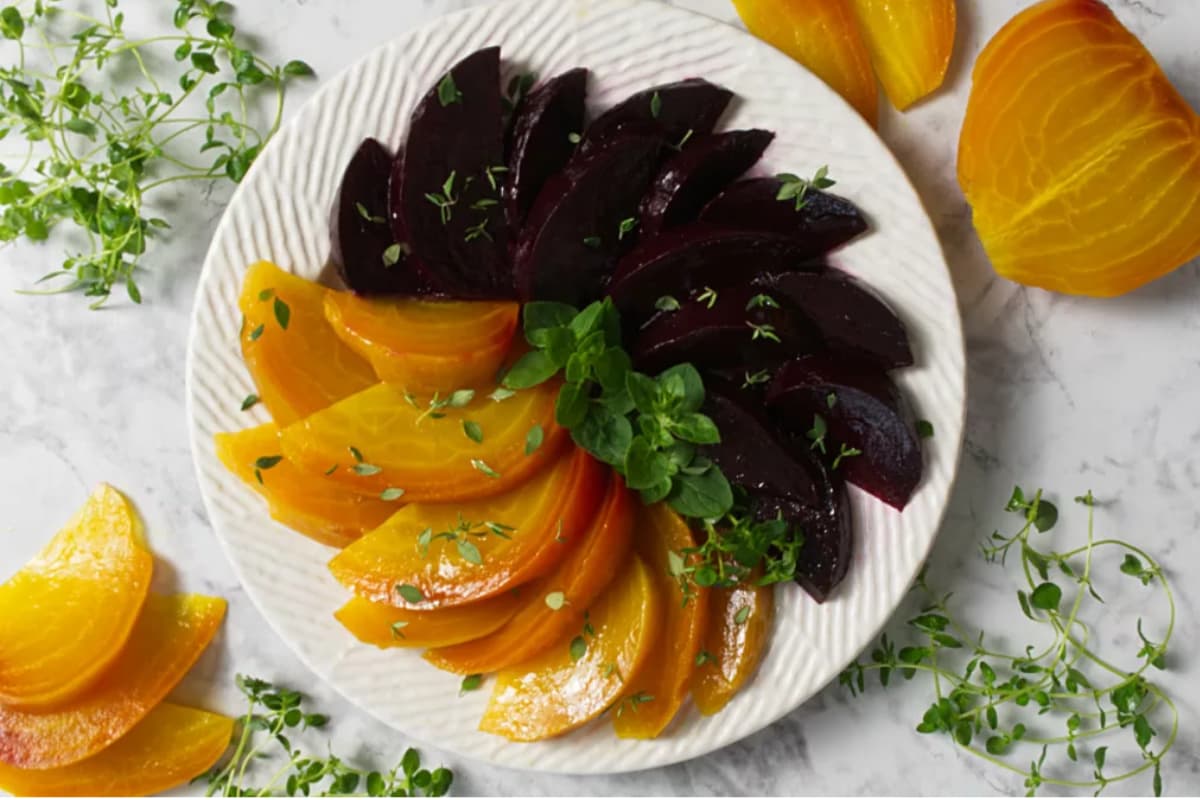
651,430
647,428
1077,718
95,157
264,737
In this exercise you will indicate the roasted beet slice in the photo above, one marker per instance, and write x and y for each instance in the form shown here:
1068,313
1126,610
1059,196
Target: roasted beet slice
826,221
451,179
863,410
739,328
575,233
546,121
365,252
672,109
691,257
782,477
697,174
851,318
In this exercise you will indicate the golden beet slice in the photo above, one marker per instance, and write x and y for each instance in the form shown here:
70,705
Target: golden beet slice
384,625
739,623
824,36
575,682
1080,160
430,555
169,636
552,608
425,452
170,747
298,363
314,505
425,346
53,643
665,676
910,45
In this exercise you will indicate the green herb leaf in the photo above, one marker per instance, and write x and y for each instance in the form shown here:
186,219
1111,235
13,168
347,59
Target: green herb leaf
572,405
472,430
666,303
531,369
469,552
366,470
283,314
696,428
481,465
742,615
604,434
447,91
555,601
924,429
1047,597
470,683
655,105
391,494
250,402
578,648
409,593
704,496
266,462
533,439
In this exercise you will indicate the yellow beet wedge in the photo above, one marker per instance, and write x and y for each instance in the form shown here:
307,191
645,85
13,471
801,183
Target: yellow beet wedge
576,681
169,636
172,745
65,616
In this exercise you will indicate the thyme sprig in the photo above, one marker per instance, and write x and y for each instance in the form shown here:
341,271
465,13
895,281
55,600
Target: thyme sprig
94,159
1063,699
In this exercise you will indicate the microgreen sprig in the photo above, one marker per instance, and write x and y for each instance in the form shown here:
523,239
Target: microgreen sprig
274,715
95,160
1004,707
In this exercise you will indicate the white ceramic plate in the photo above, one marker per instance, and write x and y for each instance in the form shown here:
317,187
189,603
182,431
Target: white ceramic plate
280,213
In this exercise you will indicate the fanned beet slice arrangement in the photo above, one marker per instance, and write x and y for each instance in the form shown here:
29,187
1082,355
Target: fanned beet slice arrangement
648,206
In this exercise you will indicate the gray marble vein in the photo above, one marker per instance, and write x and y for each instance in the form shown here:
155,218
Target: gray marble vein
1066,393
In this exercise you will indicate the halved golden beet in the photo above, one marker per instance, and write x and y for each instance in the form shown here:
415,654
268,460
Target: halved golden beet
384,625
824,36
553,607
427,452
1080,160
665,676
170,747
910,45
298,363
54,642
425,346
577,680
739,623
314,505
169,636
455,553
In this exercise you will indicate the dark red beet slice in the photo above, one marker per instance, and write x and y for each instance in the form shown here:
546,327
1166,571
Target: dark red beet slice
541,141
362,239
691,257
851,318
868,414
673,109
826,221
697,174
573,237
740,330
453,171
783,477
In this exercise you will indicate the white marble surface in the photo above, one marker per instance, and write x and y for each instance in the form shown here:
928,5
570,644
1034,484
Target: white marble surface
1066,393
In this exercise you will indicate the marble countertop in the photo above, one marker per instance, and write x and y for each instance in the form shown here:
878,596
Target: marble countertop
1065,393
